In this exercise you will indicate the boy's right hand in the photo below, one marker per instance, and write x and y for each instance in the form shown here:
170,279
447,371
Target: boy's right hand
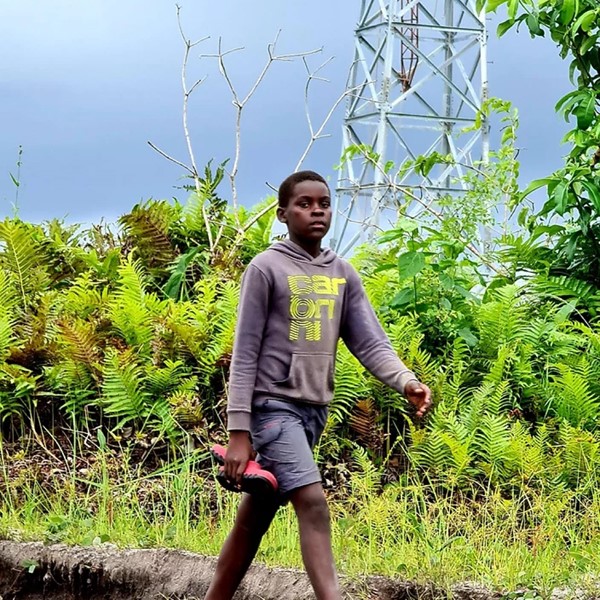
239,452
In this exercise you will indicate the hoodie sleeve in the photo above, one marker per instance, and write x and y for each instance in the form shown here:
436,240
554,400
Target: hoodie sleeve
365,338
251,320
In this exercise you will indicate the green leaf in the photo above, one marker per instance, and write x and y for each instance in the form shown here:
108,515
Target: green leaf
584,21
492,5
402,298
561,197
446,281
410,263
536,184
466,334
588,44
504,27
586,111
567,11
390,236
513,5
593,193
15,181
533,24
568,100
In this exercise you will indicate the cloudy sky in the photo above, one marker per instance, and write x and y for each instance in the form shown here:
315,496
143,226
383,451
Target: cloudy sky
85,84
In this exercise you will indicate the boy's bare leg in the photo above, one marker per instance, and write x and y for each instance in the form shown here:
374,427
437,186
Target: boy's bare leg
315,540
253,519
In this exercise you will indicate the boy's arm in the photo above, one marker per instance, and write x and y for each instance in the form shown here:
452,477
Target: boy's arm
366,339
252,317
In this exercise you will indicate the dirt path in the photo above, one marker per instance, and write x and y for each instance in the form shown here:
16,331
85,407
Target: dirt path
32,571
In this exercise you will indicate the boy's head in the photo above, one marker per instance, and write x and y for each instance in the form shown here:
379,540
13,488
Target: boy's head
286,189
305,208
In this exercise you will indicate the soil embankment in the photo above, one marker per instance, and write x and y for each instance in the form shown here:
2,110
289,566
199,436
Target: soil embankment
34,571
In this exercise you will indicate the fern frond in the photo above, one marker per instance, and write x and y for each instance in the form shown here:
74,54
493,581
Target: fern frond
502,320
366,481
525,454
22,255
131,308
164,380
491,442
84,297
350,385
364,420
580,456
573,400
80,341
123,396
7,336
9,296
564,287
147,226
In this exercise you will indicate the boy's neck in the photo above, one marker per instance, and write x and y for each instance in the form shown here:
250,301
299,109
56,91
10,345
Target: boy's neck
313,248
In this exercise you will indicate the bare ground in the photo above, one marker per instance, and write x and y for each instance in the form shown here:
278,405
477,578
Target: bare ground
34,571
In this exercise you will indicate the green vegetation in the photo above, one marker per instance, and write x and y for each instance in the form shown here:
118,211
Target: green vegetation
115,348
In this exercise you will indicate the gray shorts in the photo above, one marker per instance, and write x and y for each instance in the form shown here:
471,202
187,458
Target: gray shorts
284,435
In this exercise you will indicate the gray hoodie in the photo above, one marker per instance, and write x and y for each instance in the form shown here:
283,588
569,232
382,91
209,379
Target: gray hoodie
293,309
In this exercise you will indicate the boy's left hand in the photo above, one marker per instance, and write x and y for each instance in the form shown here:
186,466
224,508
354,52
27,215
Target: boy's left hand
419,395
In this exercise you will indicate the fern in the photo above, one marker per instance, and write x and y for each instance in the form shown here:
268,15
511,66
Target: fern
526,454
186,408
222,326
164,380
572,398
350,385
366,481
364,420
80,341
84,297
566,287
23,257
9,297
502,320
491,442
455,373
580,457
7,336
123,396
147,226
132,309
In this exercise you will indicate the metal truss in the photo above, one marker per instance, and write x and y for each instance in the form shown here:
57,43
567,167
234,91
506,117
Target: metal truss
416,85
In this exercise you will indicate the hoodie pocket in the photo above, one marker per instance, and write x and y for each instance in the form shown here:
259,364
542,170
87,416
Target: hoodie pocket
310,378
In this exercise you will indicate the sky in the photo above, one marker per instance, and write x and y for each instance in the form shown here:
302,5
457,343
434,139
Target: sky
85,84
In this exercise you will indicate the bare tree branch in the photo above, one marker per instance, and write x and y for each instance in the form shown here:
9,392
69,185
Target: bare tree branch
316,135
186,132
240,104
174,160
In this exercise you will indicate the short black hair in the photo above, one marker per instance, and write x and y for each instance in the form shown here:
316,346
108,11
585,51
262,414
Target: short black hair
286,189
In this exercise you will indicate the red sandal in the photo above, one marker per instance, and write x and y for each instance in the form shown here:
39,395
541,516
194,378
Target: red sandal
255,479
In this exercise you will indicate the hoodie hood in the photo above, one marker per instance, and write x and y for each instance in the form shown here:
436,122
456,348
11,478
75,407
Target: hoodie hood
297,253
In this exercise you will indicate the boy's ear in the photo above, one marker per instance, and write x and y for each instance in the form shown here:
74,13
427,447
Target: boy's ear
281,214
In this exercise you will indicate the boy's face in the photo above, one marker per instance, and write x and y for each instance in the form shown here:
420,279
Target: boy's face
308,213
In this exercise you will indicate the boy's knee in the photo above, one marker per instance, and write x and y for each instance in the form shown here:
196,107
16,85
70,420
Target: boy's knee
311,505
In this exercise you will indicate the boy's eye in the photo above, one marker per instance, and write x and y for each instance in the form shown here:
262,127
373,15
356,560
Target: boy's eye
326,204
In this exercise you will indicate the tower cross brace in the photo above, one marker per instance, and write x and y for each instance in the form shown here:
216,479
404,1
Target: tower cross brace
416,86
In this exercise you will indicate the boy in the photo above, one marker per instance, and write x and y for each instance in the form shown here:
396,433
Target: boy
297,300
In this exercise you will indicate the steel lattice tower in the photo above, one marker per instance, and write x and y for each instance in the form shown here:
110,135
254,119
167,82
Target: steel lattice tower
418,80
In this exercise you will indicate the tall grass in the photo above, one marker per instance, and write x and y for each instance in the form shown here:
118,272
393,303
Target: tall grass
407,530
